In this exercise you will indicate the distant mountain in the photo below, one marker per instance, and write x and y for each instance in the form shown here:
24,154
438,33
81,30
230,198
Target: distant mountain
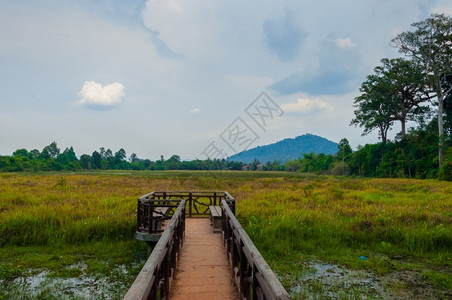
287,149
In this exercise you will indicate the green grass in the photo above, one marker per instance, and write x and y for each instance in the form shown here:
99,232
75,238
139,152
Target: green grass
54,220
438,278
341,219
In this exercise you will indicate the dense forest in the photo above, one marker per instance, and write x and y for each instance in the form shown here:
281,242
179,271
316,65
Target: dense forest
52,159
415,157
414,90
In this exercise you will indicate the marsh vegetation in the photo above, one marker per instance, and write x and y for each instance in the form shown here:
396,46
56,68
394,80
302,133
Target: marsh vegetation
333,237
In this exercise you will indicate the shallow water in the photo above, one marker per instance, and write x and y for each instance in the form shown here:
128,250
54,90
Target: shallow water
38,283
336,282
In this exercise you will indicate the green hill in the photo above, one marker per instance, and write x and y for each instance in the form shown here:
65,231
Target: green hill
287,149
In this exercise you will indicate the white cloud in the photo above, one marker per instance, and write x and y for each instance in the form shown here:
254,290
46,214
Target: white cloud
345,43
195,110
306,107
94,94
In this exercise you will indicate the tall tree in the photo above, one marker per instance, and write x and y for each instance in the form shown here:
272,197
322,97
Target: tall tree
52,149
102,152
119,158
394,92
70,153
45,154
96,160
134,158
344,150
404,83
120,155
108,153
448,110
66,159
373,109
85,161
173,162
431,45
35,153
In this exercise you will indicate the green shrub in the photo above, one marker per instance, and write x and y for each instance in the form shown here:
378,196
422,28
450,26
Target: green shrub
445,173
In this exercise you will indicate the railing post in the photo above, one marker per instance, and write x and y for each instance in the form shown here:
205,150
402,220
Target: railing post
151,216
154,288
139,213
167,273
254,283
190,204
242,270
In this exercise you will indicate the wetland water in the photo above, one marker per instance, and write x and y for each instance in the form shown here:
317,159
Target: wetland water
43,284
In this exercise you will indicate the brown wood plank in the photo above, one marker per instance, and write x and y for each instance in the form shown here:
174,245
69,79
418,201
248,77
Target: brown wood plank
203,269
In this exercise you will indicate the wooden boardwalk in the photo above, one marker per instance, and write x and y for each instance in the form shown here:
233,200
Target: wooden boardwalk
203,270
203,267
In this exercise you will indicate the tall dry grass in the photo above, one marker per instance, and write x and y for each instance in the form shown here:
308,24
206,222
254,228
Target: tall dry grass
286,214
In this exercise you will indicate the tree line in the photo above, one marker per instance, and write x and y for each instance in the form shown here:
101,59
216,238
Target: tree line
413,157
372,160
52,159
416,88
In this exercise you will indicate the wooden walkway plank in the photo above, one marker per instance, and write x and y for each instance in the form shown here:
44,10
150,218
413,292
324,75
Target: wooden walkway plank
203,270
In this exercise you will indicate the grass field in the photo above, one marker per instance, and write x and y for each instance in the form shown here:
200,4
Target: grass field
326,237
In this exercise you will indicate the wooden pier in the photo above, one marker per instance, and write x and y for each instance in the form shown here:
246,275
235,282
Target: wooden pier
194,258
203,269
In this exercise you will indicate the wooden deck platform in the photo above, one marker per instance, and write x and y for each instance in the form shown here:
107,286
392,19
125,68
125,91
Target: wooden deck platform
203,270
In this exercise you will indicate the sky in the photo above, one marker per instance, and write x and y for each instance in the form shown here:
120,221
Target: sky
196,78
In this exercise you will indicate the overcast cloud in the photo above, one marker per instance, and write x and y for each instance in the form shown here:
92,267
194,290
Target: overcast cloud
284,37
179,72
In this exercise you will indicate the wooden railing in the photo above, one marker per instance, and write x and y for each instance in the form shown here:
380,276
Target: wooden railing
253,276
151,213
153,282
197,202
